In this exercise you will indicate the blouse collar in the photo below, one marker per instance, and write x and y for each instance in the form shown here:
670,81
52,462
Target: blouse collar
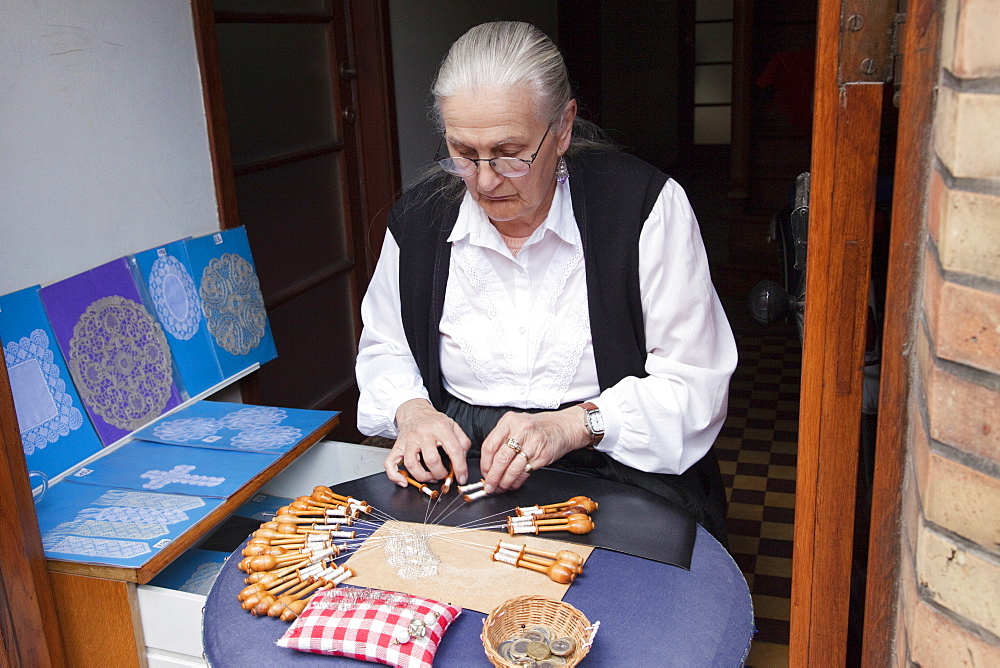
473,223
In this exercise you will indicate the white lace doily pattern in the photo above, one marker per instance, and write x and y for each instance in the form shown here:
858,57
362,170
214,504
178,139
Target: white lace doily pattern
254,416
119,358
121,497
233,304
175,297
202,579
257,439
178,475
258,429
45,412
183,430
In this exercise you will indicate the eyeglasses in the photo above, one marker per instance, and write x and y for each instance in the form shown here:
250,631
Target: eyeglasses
504,166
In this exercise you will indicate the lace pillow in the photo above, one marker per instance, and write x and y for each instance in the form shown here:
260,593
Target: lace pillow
373,625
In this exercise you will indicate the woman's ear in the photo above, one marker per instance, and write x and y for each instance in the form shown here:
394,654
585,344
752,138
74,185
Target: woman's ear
566,128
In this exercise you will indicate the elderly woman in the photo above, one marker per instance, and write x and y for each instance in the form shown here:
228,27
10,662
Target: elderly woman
543,299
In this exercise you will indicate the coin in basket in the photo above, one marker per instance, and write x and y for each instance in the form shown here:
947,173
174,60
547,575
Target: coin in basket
551,662
538,650
544,630
535,635
519,648
503,649
562,646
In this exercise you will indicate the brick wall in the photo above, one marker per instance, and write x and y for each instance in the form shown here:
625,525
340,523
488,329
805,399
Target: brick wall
950,571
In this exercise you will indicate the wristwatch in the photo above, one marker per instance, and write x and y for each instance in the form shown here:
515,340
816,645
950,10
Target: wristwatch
594,422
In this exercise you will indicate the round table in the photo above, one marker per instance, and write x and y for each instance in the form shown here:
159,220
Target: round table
651,614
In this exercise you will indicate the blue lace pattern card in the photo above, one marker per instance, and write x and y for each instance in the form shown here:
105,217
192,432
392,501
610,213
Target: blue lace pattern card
116,351
228,426
118,527
165,278
173,469
195,571
56,432
231,300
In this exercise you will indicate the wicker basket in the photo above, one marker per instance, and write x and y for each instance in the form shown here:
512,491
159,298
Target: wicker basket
513,615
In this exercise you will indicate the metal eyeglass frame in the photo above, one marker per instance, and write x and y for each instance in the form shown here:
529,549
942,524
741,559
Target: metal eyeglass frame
503,160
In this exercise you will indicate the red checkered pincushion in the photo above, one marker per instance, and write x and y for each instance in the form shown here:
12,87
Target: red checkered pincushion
385,627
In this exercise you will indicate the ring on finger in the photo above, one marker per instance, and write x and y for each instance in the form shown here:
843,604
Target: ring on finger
528,468
513,445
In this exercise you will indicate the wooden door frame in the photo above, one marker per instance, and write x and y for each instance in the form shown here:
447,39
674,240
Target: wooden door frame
29,625
845,150
365,84
918,78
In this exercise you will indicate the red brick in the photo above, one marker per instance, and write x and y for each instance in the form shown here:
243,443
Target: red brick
963,414
935,640
972,52
961,579
962,500
968,330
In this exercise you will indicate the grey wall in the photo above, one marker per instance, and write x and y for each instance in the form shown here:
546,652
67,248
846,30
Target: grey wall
103,142
422,31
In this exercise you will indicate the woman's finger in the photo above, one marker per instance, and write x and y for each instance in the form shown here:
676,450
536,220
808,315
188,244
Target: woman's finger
391,465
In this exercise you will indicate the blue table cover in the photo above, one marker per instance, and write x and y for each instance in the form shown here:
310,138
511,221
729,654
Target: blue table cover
651,614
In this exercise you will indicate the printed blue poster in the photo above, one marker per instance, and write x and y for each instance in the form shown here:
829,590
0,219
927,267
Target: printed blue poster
119,527
169,290
228,426
56,432
173,469
231,300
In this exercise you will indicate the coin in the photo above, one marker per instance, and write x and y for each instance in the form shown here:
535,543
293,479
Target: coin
536,636
551,662
519,648
538,650
562,646
503,649
544,630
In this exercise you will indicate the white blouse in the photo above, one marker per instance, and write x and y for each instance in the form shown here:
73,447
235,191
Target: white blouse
516,332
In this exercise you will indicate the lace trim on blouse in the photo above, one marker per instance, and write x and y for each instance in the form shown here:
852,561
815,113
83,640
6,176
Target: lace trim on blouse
564,358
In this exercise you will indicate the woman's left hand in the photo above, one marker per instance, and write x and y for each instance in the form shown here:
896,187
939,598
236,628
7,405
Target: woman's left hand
524,442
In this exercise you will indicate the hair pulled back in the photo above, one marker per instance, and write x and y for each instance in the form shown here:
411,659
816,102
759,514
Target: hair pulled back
510,55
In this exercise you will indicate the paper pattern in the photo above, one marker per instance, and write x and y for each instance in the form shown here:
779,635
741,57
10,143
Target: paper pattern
466,574
141,465
231,300
114,527
165,275
55,431
194,571
228,426
116,352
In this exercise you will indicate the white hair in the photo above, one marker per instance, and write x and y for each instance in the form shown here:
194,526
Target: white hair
510,55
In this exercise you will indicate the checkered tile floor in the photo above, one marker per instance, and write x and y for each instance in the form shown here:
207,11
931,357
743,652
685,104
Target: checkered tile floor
757,452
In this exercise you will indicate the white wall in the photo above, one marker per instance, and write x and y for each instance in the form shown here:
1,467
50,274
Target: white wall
421,34
103,142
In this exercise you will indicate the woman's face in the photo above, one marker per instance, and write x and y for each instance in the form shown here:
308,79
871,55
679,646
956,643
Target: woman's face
498,123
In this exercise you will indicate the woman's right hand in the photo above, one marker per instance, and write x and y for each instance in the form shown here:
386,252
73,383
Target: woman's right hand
422,431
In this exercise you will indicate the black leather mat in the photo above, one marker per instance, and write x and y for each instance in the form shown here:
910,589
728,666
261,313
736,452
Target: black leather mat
629,520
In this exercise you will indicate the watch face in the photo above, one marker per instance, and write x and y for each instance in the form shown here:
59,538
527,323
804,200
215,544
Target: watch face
596,421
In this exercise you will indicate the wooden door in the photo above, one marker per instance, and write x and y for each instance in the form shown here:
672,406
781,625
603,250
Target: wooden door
853,60
283,82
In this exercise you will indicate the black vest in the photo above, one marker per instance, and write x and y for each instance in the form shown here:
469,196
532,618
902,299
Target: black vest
612,193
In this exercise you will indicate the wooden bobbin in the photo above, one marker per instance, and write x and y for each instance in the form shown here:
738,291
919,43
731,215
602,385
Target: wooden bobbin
577,524
587,504
432,493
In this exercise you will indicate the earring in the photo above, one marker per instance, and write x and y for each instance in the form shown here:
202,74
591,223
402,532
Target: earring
562,173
